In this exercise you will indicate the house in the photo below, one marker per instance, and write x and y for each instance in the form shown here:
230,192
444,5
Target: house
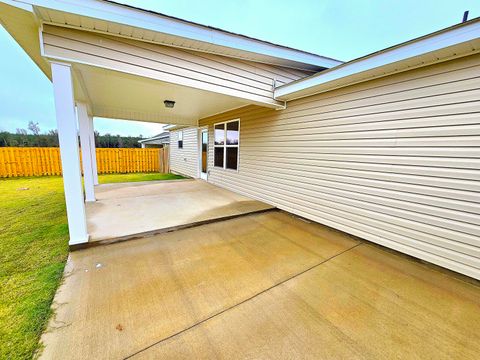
157,141
385,147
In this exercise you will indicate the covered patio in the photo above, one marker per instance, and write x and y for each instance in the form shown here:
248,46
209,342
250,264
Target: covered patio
124,63
131,210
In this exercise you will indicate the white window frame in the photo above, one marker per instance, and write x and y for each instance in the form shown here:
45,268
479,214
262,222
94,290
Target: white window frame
225,146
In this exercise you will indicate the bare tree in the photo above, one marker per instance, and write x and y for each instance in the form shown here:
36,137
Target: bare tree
119,141
34,128
21,131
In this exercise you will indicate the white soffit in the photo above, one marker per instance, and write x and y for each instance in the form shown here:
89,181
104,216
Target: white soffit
118,95
459,40
124,20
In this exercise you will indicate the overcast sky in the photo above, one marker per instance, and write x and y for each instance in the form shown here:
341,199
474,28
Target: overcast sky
340,29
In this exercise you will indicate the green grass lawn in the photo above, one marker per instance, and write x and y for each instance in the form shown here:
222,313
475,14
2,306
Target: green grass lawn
33,251
117,178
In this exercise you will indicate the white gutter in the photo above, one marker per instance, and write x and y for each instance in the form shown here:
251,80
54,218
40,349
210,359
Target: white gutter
461,33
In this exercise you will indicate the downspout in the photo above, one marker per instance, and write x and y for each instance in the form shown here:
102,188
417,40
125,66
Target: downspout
274,86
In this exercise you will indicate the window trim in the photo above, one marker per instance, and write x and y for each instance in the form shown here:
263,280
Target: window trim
225,146
180,134
201,129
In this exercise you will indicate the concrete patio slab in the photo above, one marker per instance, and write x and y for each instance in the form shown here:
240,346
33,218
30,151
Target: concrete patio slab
264,285
129,210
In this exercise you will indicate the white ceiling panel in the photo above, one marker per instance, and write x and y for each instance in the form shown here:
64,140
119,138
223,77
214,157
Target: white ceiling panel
119,95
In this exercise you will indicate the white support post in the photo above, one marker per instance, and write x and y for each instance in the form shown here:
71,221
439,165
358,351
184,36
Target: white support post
84,127
68,139
93,150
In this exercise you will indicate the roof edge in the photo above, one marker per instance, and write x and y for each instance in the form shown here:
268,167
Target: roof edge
147,20
372,64
223,30
155,137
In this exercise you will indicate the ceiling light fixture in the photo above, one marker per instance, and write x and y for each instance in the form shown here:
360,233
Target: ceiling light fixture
169,103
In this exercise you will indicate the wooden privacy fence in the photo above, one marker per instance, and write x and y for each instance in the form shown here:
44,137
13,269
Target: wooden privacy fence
38,161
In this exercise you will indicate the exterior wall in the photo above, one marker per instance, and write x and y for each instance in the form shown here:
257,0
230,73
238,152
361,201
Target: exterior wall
185,161
395,161
243,79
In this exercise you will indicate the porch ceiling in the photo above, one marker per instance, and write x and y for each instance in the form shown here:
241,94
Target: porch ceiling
118,95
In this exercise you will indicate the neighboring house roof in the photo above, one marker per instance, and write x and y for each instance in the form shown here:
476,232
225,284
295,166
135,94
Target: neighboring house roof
455,41
163,138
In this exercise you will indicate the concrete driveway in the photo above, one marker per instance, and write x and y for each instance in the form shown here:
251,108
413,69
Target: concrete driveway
260,286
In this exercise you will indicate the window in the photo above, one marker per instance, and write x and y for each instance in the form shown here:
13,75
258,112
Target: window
180,139
227,138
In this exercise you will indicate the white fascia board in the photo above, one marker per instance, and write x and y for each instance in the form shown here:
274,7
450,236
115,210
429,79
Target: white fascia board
155,22
436,41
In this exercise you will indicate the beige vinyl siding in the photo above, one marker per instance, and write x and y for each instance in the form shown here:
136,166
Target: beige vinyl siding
204,71
184,161
395,161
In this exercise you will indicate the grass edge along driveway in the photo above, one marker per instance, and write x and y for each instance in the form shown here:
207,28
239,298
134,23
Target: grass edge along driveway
33,252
